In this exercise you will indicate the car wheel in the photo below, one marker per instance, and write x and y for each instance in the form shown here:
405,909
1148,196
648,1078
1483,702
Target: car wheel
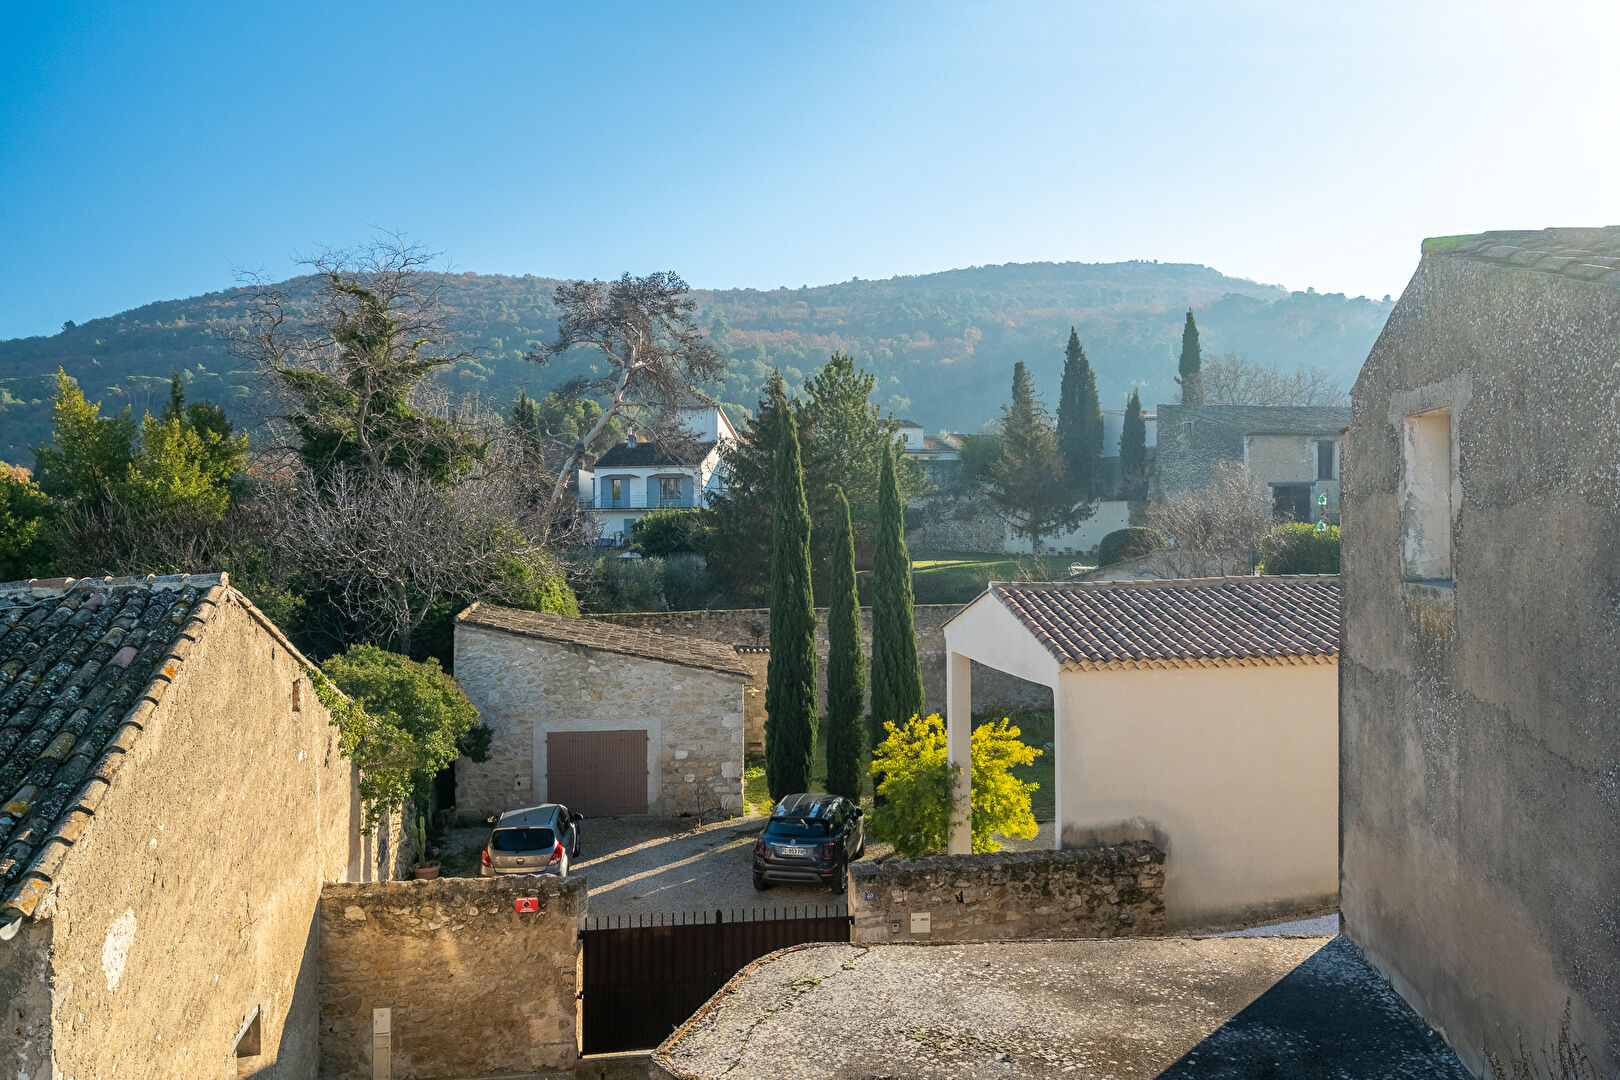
760,884
841,881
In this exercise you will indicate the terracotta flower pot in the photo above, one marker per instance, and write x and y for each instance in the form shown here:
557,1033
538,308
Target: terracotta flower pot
426,871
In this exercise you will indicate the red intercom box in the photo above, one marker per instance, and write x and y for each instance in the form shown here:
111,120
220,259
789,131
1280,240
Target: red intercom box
528,903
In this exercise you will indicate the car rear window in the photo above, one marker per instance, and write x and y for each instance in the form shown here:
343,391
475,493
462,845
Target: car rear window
798,827
525,839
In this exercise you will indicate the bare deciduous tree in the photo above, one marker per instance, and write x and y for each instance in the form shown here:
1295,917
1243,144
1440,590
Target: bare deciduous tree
656,355
1234,379
1213,529
388,544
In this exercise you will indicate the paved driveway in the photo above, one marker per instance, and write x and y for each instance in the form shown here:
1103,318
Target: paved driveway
651,865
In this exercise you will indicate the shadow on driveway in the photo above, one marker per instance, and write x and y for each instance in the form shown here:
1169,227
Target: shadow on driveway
657,865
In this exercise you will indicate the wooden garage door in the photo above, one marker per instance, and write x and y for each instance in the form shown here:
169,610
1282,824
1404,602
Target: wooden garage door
597,772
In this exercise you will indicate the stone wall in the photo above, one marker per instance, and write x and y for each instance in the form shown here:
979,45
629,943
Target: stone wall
1480,716
525,686
756,660
189,902
751,627
1099,892
475,988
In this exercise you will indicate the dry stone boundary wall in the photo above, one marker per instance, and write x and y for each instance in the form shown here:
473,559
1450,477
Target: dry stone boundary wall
1102,892
473,986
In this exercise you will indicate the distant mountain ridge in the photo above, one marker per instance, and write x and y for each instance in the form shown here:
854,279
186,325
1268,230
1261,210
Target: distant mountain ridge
942,345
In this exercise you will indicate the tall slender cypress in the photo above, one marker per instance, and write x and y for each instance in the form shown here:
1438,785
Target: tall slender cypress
1079,422
790,676
846,667
1133,451
1191,379
897,691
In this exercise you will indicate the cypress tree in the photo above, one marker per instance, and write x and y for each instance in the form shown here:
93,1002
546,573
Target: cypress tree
846,667
1022,487
1079,422
1133,450
1192,364
897,692
790,676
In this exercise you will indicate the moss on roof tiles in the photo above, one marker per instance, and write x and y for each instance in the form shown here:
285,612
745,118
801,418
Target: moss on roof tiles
75,659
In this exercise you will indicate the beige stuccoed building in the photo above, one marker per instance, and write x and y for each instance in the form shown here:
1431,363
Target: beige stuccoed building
1201,715
173,801
604,719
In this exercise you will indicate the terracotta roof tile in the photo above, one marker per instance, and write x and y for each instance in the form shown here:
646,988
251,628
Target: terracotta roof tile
1202,620
609,637
76,657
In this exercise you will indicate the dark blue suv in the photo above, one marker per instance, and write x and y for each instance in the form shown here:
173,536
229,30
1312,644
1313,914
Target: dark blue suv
810,840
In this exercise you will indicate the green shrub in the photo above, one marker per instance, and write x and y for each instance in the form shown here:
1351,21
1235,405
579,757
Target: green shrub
614,584
917,781
1297,548
670,531
401,722
688,585
1131,543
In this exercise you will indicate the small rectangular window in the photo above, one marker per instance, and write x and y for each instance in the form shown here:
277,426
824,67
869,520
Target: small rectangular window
1426,472
669,489
618,490
1324,461
248,1039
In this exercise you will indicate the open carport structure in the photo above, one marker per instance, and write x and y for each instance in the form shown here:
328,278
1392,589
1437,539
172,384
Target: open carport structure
1200,714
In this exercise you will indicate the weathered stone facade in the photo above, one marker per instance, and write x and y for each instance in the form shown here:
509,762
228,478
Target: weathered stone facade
526,687
1099,892
1276,442
751,627
473,986
1480,698
186,906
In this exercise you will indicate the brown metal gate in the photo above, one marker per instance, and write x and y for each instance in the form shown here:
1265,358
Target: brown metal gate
645,975
600,773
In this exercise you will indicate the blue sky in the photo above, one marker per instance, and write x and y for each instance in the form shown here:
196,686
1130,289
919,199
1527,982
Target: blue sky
149,150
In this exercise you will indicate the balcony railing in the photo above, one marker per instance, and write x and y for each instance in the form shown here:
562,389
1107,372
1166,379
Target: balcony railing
636,503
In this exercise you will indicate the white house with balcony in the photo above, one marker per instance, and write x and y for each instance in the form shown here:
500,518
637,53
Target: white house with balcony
642,474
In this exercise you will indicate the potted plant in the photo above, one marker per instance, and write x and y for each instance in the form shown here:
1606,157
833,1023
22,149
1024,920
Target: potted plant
427,867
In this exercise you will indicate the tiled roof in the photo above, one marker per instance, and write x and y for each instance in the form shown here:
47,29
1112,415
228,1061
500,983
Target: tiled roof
609,637
78,660
1201,622
651,453
1587,254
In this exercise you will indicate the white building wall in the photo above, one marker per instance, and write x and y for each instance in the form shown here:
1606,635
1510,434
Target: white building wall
1233,771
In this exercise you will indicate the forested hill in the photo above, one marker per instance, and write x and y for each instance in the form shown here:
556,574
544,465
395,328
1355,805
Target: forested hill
942,345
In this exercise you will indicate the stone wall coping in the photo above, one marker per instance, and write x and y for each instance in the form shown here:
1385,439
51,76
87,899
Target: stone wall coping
1135,850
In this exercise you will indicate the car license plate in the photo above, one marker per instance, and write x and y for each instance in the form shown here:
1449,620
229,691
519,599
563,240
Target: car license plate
793,850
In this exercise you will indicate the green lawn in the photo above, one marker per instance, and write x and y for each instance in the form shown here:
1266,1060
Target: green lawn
957,577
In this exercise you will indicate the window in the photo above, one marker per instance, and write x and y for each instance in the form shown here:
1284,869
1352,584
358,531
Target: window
1291,502
617,486
1324,460
1426,496
669,489
248,1039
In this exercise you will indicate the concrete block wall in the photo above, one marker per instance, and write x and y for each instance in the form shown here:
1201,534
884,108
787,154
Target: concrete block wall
1103,892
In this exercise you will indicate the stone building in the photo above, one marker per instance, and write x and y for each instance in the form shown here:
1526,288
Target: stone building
1292,449
604,719
1198,714
1481,695
174,800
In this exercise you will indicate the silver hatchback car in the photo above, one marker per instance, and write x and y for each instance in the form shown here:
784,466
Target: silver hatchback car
540,839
